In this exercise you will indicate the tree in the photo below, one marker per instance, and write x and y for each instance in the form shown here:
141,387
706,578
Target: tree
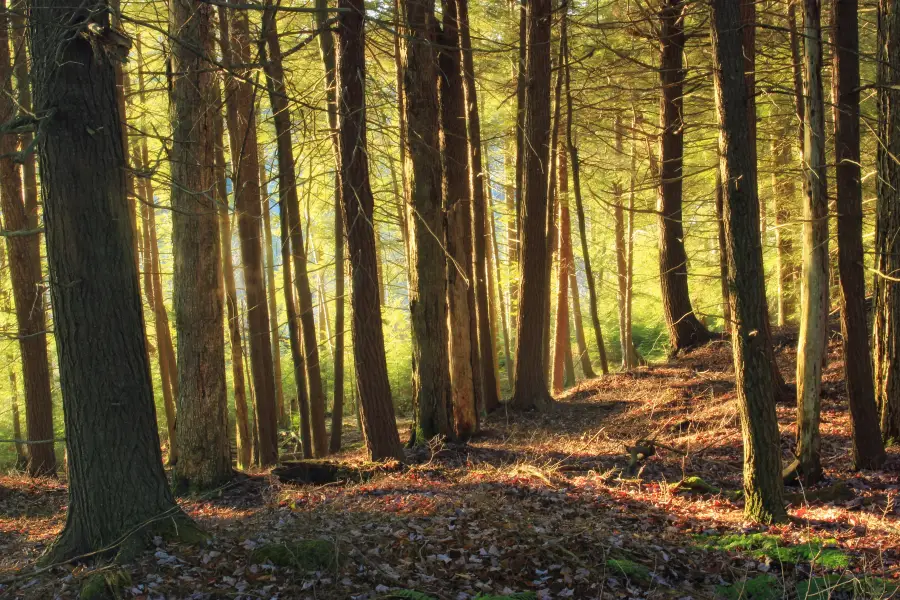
117,486
887,245
240,103
357,203
465,367
202,433
868,450
685,330
811,346
287,189
431,375
753,375
20,215
530,390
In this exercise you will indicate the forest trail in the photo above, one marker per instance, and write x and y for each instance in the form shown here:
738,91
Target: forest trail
536,504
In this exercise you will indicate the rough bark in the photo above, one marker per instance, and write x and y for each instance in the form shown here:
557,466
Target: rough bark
287,189
814,284
379,424
868,450
462,321
886,333
530,391
685,329
202,434
116,478
240,96
763,490
25,274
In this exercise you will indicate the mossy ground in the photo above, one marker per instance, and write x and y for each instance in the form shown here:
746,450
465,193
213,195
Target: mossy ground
303,555
762,545
107,584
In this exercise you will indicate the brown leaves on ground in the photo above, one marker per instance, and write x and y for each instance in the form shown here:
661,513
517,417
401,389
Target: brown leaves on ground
537,503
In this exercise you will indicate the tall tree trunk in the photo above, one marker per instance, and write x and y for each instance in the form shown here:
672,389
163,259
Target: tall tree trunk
202,434
622,255
431,375
783,189
530,391
357,204
495,291
811,346
636,358
243,436
868,450
552,226
487,351
753,375
685,330
282,408
561,358
287,189
887,244
465,367
508,366
21,452
579,209
723,253
521,89
117,485
25,274
240,97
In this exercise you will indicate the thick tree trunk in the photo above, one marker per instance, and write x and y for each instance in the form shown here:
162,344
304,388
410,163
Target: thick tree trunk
486,349
814,289
753,375
887,243
116,478
868,450
240,97
284,415
431,375
579,209
462,321
685,330
25,275
357,204
287,189
530,391
202,435
232,318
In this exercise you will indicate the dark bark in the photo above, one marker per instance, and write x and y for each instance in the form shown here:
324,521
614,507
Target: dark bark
723,253
287,189
763,490
530,391
465,366
116,478
240,96
25,275
202,434
868,450
887,243
685,330
357,203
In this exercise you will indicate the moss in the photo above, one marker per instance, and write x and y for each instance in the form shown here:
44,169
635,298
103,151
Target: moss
105,585
761,545
303,555
629,568
516,596
761,587
822,588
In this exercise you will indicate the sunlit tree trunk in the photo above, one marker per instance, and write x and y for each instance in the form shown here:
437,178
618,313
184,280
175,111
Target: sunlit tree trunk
493,273
814,289
530,391
783,188
723,254
204,459
357,204
25,274
562,361
240,96
685,329
753,375
887,243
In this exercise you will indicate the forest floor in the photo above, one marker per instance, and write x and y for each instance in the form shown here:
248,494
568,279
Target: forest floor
537,506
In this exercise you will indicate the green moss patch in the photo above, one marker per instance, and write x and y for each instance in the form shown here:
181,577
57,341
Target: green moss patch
823,588
628,568
762,587
303,555
762,545
105,585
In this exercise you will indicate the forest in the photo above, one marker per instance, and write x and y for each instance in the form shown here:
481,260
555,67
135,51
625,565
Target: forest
446,299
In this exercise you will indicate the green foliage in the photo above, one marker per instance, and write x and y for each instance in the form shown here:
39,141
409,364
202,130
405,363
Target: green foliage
821,588
631,569
763,545
105,585
303,555
761,587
